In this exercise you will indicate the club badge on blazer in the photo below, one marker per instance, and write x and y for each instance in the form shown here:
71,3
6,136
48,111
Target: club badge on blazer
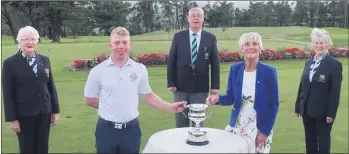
133,76
206,54
47,71
322,78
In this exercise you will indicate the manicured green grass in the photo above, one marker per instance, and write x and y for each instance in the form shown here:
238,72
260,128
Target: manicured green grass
230,37
231,32
149,42
88,50
339,36
76,134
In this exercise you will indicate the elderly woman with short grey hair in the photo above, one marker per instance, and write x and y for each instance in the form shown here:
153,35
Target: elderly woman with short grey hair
253,91
29,94
319,94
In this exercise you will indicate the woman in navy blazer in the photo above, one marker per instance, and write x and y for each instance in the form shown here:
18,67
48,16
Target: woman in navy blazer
319,94
253,91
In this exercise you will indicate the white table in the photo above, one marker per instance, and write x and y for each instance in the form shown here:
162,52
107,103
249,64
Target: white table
174,141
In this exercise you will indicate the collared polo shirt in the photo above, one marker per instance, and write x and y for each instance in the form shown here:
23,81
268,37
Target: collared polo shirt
118,89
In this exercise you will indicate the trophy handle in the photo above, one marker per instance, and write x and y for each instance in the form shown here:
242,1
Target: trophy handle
209,115
185,115
185,102
211,112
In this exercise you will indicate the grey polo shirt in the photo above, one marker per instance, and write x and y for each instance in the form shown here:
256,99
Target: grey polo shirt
117,89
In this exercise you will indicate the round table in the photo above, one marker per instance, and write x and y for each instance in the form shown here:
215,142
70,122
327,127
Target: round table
174,141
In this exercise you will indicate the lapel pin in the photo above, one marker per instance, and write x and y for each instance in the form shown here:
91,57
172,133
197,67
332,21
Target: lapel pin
206,54
47,71
322,78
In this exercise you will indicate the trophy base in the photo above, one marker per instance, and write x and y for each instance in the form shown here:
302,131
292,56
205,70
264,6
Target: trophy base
197,138
197,143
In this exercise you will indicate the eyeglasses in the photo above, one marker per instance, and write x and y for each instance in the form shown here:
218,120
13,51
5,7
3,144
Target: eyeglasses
196,15
28,40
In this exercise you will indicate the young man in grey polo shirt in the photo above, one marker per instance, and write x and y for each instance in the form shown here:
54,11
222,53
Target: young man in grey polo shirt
113,88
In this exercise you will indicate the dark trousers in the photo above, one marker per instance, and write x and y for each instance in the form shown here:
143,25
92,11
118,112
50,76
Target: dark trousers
123,139
191,98
34,134
317,135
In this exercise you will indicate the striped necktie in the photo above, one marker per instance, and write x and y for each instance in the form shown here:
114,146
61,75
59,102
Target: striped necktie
194,50
32,63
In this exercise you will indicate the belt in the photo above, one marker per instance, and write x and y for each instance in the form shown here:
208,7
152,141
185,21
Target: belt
122,125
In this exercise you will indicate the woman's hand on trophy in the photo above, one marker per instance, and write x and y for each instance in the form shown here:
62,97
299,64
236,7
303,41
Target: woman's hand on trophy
212,99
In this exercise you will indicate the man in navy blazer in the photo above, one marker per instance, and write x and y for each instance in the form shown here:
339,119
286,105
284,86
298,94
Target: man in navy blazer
192,53
253,91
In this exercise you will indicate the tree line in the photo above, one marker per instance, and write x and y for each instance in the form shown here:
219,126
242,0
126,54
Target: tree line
56,19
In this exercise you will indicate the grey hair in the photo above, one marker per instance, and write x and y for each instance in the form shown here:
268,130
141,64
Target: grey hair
122,31
26,29
196,9
250,36
317,34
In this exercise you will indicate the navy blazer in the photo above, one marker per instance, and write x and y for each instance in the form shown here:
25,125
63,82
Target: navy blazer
320,97
180,73
266,101
26,94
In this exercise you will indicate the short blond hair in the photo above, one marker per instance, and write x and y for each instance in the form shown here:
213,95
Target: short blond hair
250,36
317,34
122,31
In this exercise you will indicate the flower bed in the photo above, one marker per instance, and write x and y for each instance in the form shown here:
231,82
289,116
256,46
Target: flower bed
156,59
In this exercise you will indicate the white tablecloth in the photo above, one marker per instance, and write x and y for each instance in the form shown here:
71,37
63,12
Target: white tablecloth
174,141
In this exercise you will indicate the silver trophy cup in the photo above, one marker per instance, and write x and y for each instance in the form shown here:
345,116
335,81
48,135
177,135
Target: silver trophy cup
197,114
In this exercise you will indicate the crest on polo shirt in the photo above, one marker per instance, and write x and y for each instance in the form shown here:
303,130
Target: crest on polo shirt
47,71
133,76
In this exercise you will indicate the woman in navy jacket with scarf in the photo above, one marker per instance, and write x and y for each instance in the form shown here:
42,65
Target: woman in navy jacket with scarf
253,91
